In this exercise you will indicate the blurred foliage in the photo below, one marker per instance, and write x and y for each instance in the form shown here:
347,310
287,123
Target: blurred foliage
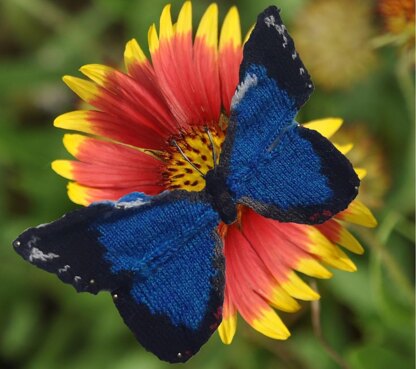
367,317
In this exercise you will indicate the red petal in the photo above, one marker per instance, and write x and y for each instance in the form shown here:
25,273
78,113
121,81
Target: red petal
105,164
229,65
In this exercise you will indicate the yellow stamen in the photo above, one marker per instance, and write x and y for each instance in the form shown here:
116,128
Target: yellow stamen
196,146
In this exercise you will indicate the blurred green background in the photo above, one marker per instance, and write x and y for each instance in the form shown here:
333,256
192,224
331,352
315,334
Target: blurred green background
365,76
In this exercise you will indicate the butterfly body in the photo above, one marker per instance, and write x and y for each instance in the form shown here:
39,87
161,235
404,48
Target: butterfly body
161,256
221,199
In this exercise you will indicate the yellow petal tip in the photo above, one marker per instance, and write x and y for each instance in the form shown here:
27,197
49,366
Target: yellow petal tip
344,149
231,30
133,53
86,90
227,329
280,299
313,268
269,324
96,72
77,194
361,172
327,127
208,26
358,213
153,39
299,289
75,120
63,168
184,24
166,28
72,142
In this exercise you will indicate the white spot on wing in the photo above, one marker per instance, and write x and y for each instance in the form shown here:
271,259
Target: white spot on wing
32,241
249,81
36,254
271,22
130,204
64,269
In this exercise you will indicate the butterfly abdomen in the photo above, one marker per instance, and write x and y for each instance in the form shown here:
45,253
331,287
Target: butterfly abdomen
220,197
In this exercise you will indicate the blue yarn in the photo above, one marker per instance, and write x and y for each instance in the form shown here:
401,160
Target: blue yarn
173,235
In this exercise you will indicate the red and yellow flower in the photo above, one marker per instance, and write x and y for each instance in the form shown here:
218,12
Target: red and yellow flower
125,146
399,17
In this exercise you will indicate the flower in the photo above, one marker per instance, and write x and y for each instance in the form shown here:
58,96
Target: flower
399,18
399,15
131,142
370,154
334,39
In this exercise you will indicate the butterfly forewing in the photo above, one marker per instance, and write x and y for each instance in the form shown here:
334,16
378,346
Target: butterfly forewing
273,165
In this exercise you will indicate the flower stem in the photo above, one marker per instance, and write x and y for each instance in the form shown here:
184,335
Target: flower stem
44,11
281,351
317,329
377,242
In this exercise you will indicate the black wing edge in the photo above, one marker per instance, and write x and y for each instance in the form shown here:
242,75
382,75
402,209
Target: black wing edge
341,178
271,46
70,248
175,344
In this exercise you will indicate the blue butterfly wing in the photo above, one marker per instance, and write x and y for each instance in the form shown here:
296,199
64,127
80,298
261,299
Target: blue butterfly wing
272,164
160,257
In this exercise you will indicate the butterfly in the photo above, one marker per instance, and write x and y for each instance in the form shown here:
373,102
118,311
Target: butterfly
161,257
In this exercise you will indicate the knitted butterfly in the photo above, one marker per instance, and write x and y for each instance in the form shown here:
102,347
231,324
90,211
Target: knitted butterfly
161,256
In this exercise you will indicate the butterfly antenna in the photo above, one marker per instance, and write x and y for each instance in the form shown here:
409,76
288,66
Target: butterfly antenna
211,140
174,143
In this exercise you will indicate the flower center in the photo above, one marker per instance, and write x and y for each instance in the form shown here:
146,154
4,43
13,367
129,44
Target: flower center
190,156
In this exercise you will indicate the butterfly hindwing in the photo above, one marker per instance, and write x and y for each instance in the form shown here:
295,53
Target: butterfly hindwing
304,180
273,165
160,257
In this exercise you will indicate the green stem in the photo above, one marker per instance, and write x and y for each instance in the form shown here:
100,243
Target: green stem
405,78
317,329
376,243
282,352
44,11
